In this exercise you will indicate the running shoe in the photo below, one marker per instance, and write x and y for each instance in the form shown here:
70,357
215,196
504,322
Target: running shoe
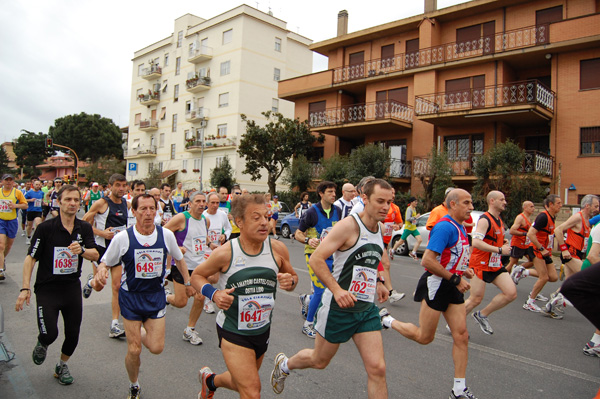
304,302
2,276
209,307
23,233
395,296
28,241
466,394
547,311
203,374
483,322
391,253
413,255
116,332
309,331
517,274
192,337
278,376
383,313
87,288
167,293
39,353
532,307
591,349
561,274
63,374
541,297
134,392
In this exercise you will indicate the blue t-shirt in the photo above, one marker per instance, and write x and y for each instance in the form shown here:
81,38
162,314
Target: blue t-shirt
444,235
38,195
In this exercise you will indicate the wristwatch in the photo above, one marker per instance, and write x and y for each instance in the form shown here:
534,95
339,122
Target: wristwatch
188,284
455,279
306,239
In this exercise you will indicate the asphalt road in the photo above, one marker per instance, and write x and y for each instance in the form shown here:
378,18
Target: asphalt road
528,356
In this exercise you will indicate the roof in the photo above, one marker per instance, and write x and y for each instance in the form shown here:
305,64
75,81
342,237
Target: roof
168,173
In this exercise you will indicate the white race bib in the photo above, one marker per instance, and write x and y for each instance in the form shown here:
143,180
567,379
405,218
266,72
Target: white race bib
364,283
388,229
55,203
167,216
118,229
4,205
213,236
463,262
198,245
324,233
550,242
37,202
148,263
64,262
254,311
495,260
527,241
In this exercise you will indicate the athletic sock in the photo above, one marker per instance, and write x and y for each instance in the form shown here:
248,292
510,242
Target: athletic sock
308,323
134,384
387,321
526,272
61,363
530,299
210,382
459,386
115,323
284,366
189,329
596,339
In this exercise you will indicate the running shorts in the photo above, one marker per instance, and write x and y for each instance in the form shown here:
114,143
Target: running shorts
518,253
176,276
415,233
575,254
141,306
337,326
258,343
489,276
31,215
437,292
9,227
547,259
275,216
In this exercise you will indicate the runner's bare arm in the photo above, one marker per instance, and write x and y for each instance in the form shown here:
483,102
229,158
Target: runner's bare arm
287,277
97,207
25,294
218,261
514,229
559,231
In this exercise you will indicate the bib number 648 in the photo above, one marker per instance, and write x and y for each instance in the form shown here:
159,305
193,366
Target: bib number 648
145,267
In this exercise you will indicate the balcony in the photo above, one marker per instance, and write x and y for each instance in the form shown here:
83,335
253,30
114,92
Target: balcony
200,54
197,84
142,151
149,125
357,120
154,72
523,103
151,98
210,143
196,115
316,169
400,169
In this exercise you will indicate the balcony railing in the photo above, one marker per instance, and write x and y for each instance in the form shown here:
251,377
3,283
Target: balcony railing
400,168
196,115
500,42
149,124
153,72
198,84
516,93
364,112
193,144
540,163
142,150
200,54
150,98
316,169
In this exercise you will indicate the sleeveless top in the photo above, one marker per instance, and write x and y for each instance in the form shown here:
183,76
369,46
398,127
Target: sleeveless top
355,269
54,206
193,238
494,236
578,240
144,267
115,216
455,259
168,210
546,235
522,241
254,278
94,197
5,212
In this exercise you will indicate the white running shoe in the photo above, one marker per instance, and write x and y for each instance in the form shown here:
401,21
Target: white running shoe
28,241
517,274
391,253
541,297
209,307
192,337
532,307
278,376
116,332
395,296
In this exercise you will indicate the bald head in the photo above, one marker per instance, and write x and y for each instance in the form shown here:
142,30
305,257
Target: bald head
494,195
528,208
459,204
348,191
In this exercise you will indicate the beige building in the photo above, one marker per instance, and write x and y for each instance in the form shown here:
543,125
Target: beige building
189,89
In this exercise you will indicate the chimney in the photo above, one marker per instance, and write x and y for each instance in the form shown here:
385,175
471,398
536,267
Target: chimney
342,28
430,6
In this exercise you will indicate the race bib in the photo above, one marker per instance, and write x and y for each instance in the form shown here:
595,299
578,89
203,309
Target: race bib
225,209
254,311
364,283
585,245
388,229
463,262
324,233
199,245
550,242
131,220
4,206
37,203
148,263
118,229
495,260
64,262
55,203
167,216
213,236
527,241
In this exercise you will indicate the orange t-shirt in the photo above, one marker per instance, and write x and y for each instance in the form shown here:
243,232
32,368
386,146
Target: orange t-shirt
393,217
436,214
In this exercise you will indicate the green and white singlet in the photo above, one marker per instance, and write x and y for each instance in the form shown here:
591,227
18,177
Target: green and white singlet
254,278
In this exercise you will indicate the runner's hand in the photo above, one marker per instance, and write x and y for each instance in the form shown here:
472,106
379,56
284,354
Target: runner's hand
190,291
566,254
464,286
24,297
101,277
382,293
344,299
223,298
469,273
285,281
506,249
109,234
75,248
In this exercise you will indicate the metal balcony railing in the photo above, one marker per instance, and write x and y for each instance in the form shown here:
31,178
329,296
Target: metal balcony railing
141,150
151,70
200,50
364,112
400,168
149,124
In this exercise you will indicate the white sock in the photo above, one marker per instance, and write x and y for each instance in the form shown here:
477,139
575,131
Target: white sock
114,323
189,329
387,321
526,272
308,323
530,299
134,384
284,366
596,339
459,386
61,363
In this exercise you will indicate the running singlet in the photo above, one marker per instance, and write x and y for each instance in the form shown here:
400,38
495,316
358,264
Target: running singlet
144,267
522,241
115,216
578,240
345,206
193,238
545,234
94,197
494,236
411,217
16,197
254,278
317,224
36,204
355,269
168,210
454,258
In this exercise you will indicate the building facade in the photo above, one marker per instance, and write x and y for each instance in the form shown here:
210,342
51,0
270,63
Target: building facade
189,89
465,78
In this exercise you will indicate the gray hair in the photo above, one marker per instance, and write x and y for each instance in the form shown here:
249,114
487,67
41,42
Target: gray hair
211,194
194,194
588,200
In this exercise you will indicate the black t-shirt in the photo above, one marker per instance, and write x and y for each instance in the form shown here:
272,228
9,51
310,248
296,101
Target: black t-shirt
541,221
48,247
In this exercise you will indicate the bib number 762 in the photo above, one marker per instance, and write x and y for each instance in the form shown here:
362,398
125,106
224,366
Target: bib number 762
358,286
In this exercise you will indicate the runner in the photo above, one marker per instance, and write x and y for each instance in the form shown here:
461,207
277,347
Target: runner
11,199
52,197
224,203
344,202
191,233
410,229
34,197
439,211
155,193
177,196
302,206
235,231
59,245
314,226
486,262
48,184
521,246
357,203
348,307
24,189
167,206
393,222
108,217
94,194
250,267
275,209
541,235
441,288
142,250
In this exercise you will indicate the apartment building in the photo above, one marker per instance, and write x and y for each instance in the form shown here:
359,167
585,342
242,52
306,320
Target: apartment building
189,89
465,78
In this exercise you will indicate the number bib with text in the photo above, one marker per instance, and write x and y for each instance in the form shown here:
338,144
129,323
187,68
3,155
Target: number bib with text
364,283
148,263
213,236
118,229
55,203
4,207
388,229
64,262
254,311
37,202
463,262
495,260
199,245
167,216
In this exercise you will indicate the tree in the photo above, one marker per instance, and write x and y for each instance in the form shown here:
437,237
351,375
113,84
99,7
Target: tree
153,179
370,159
30,151
300,174
222,175
272,147
335,169
435,174
90,136
101,170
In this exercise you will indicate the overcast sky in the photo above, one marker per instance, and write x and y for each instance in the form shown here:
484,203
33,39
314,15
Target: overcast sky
62,57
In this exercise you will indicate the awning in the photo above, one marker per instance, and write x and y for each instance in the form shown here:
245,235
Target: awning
164,87
168,173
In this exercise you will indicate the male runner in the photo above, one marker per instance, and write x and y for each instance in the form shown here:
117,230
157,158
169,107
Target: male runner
393,222
224,203
24,189
345,201
314,226
59,245
52,197
235,231
249,268
439,211
168,209
34,197
11,199
94,194
357,203
410,229
177,196
47,186
108,216
521,246
155,192
486,262
441,288
191,233
541,235
142,250
348,307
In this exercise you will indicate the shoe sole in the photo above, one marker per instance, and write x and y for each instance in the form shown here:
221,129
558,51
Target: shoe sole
276,363
62,383
111,335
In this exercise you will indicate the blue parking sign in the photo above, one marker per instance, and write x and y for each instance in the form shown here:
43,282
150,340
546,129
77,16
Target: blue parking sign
132,167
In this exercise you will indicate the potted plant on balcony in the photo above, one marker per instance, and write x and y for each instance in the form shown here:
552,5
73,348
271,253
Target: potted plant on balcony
195,170
183,170
189,143
206,80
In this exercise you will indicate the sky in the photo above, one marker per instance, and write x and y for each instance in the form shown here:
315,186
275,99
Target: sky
63,57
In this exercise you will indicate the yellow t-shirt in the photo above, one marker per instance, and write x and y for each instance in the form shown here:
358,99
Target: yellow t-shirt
16,197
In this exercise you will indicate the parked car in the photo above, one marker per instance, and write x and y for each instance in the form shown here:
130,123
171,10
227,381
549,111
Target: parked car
289,225
284,211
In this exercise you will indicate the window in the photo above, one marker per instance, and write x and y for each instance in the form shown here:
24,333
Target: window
161,140
275,105
140,69
387,53
160,166
222,130
276,74
166,61
138,118
589,78
176,94
150,167
223,100
204,45
468,38
590,140
184,164
463,152
172,151
219,161
187,134
164,86
188,106
163,113
543,18
227,35
177,65
152,141
179,38
174,125
225,68
197,163
277,44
